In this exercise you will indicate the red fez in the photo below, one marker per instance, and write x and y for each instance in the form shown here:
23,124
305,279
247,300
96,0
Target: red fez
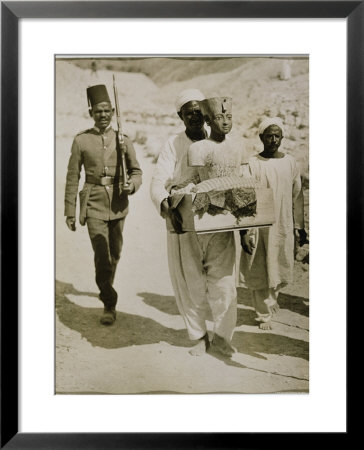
97,94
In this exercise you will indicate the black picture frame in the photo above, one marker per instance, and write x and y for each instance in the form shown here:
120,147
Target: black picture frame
11,13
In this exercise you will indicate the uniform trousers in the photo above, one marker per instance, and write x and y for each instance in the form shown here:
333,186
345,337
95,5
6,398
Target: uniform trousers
107,242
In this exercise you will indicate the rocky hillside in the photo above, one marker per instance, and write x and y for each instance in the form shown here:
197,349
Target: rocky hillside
147,102
164,70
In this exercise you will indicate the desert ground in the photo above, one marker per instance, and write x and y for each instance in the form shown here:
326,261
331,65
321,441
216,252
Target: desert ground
146,350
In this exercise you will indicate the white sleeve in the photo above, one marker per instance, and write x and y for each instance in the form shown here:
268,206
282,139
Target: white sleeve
296,181
297,198
163,174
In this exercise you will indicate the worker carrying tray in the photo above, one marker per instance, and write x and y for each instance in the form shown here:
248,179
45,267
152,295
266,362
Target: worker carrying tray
222,196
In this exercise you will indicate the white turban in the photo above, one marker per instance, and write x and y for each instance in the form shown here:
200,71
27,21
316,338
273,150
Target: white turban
188,95
270,121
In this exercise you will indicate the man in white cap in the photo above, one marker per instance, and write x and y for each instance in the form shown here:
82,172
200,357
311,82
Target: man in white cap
185,266
266,264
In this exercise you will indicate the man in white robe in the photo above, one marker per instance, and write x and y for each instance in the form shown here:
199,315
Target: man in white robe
266,264
201,268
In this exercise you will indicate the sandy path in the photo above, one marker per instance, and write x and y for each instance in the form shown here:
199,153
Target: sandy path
146,349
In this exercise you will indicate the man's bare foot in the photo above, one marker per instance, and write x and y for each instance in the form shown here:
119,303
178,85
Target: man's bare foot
222,346
265,325
274,308
201,347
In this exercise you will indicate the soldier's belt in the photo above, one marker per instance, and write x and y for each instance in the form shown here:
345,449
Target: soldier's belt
103,181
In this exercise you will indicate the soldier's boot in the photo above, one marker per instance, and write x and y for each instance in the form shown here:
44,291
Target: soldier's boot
109,315
109,298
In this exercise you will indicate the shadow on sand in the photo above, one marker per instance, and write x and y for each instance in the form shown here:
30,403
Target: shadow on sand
286,301
128,329
164,303
131,329
248,343
254,344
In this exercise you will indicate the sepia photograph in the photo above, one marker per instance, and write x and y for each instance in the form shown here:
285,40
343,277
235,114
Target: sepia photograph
181,224
189,159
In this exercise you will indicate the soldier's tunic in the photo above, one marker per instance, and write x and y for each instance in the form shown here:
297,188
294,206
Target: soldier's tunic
103,208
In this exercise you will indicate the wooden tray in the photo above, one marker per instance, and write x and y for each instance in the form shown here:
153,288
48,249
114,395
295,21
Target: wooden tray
226,222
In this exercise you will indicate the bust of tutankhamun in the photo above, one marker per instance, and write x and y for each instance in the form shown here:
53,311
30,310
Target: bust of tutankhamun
217,156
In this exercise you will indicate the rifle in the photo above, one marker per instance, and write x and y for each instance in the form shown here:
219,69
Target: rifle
120,136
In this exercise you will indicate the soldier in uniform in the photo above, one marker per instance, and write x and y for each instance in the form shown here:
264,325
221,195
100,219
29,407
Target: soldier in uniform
103,199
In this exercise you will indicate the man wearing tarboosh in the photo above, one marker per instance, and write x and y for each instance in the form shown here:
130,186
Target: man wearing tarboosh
266,264
103,199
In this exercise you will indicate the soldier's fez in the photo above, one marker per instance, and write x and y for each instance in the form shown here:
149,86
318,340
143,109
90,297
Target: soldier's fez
216,105
97,94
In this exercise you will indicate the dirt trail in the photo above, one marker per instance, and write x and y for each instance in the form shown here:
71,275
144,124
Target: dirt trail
146,351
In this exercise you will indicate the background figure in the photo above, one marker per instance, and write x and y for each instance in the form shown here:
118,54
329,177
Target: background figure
266,264
285,73
94,69
103,201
